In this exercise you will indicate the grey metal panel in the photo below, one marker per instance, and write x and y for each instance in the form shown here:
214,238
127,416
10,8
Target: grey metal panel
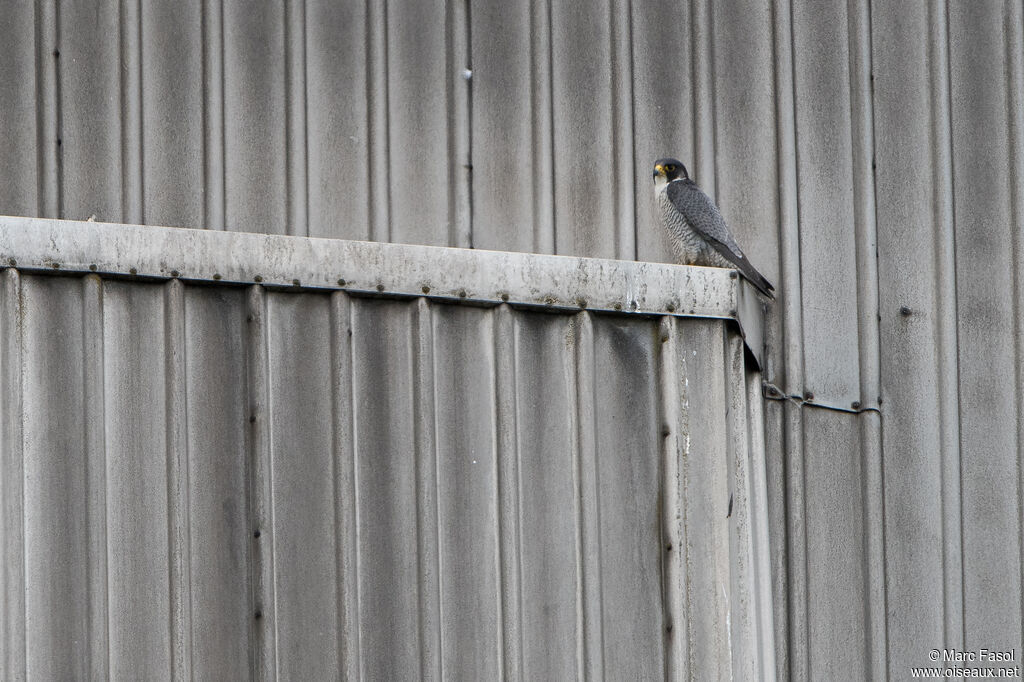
705,500
385,365
918,370
336,87
620,406
91,139
56,544
136,429
12,491
757,112
256,150
19,137
467,480
345,490
1015,77
423,81
219,531
834,509
582,115
825,176
168,100
302,486
545,485
758,508
511,124
989,451
744,620
261,495
406,463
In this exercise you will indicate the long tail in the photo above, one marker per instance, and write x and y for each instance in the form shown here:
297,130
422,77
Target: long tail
756,278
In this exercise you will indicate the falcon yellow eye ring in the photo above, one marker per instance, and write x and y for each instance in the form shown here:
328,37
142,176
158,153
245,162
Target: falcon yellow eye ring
670,168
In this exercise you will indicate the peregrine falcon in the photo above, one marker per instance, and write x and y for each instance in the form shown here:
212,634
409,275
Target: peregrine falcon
698,231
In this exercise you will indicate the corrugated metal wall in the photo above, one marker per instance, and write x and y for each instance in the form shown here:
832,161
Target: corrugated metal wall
868,155
200,481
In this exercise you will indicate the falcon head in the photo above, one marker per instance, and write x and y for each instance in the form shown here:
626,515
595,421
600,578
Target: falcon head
667,170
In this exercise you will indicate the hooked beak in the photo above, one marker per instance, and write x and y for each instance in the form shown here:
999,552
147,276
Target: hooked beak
659,170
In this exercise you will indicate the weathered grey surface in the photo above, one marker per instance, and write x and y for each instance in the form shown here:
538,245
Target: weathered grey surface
487,277
212,480
868,156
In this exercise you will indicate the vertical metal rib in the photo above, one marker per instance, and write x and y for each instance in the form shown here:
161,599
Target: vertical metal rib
762,548
863,148
509,494
459,86
623,141
296,147
743,624
946,323
12,496
346,486
264,641
589,616
213,115
379,195
542,127
703,96
674,419
1015,104
429,564
48,107
95,477
179,532
132,210
795,663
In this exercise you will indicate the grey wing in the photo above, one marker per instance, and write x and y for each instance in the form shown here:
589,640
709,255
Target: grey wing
706,220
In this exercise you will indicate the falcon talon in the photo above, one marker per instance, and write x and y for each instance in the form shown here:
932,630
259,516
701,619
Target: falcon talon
697,230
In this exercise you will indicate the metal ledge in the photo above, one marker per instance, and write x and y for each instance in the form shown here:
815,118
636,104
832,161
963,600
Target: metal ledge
483,277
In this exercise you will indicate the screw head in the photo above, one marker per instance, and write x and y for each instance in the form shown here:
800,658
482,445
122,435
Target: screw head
905,311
